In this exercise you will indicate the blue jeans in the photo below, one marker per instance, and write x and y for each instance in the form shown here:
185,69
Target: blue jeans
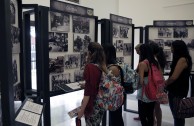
177,121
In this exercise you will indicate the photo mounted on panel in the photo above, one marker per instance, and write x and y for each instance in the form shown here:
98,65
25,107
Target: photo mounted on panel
78,75
59,22
58,42
116,30
15,66
14,12
72,61
56,65
124,31
83,56
17,92
58,81
118,44
168,55
180,32
81,25
81,42
165,32
167,66
120,60
15,39
127,49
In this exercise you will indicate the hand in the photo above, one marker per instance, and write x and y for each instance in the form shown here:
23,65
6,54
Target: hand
82,85
80,113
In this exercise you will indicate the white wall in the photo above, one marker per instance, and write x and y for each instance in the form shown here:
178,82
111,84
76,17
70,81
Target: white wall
144,12
102,8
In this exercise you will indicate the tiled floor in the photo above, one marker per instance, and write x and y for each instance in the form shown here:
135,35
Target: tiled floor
60,105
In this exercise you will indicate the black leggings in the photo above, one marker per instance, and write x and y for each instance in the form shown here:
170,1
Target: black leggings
146,113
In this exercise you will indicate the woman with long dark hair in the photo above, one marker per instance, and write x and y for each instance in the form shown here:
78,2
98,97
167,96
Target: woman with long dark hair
178,82
145,105
116,118
160,57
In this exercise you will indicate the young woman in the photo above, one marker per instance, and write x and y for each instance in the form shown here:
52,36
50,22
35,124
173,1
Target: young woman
92,74
116,118
160,57
145,105
178,82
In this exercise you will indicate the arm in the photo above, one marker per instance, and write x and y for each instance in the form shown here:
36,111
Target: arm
180,66
115,70
141,69
83,106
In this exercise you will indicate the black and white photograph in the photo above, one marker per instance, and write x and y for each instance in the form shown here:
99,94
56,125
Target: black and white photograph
72,61
160,42
58,81
13,11
75,1
127,49
17,92
58,42
191,44
180,32
168,55
116,31
15,71
78,75
120,60
15,39
165,32
124,32
81,42
59,22
56,65
118,45
83,56
81,25
167,66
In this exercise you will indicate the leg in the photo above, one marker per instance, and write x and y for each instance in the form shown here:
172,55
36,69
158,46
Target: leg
96,117
158,114
116,117
177,121
142,114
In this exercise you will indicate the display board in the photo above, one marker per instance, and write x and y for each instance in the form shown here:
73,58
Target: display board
165,32
71,29
15,40
122,38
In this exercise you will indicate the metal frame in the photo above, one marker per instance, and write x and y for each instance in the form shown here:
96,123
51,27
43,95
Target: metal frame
7,101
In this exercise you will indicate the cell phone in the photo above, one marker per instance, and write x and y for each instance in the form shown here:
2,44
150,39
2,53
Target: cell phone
78,121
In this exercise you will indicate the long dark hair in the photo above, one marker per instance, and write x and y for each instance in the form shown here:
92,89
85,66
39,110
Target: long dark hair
97,53
146,53
159,54
110,54
180,50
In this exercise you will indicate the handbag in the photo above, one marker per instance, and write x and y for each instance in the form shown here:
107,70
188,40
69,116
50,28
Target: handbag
184,107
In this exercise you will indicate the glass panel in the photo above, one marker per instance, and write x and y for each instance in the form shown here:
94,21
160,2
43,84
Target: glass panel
33,57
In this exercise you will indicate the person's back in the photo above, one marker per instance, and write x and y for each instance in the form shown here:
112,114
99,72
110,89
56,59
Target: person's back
110,53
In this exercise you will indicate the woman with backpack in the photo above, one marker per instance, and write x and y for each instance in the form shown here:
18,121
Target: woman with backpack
115,117
92,75
145,105
178,82
160,57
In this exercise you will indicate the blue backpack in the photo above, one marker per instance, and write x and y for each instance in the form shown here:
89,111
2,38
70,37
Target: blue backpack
131,79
